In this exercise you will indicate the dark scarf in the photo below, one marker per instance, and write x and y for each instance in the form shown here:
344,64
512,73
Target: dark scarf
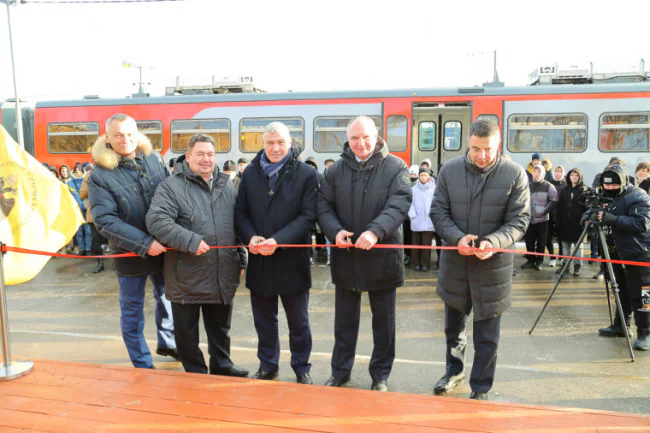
271,170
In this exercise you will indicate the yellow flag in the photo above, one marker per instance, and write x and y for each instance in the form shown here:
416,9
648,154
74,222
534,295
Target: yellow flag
37,211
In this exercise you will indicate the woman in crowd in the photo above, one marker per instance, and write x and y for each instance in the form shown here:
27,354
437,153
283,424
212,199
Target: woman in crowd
84,240
559,182
421,224
570,208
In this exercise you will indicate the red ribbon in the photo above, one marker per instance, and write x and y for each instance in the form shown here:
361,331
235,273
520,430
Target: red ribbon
6,248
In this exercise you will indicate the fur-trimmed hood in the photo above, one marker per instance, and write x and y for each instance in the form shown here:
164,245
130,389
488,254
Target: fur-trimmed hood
106,157
546,163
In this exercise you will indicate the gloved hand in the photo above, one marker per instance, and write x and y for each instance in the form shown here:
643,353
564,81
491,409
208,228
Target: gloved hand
584,219
609,219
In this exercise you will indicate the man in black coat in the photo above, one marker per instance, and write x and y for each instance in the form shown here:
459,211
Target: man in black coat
120,190
485,198
276,204
191,211
364,199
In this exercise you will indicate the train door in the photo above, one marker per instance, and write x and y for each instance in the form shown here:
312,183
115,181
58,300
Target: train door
439,133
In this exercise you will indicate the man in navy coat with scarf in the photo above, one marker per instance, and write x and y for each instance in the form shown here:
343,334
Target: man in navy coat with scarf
276,204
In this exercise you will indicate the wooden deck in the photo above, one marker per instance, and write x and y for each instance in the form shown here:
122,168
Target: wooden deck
71,397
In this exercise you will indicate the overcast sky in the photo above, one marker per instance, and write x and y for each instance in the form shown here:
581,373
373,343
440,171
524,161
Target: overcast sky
71,50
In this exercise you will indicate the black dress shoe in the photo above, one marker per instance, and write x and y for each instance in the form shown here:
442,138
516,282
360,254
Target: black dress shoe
478,396
379,385
304,379
233,371
165,351
337,381
265,375
447,383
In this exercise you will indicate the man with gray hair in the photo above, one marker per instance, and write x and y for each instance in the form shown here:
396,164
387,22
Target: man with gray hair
276,204
120,190
364,199
481,197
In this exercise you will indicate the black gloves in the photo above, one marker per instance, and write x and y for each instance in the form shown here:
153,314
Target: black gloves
609,219
584,219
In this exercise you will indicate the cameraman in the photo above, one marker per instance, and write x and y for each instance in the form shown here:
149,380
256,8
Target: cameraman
626,225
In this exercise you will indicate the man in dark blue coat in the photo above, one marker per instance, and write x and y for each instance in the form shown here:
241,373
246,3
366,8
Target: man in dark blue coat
364,199
120,190
276,204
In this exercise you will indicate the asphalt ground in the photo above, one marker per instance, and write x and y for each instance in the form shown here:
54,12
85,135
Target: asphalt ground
68,313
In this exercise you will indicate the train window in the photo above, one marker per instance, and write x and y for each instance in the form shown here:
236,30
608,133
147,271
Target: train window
153,130
330,133
396,133
251,131
77,137
547,133
492,117
427,136
183,130
452,135
624,132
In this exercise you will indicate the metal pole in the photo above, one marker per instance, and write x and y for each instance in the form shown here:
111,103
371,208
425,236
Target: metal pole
19,114
4,326
8,370
140,90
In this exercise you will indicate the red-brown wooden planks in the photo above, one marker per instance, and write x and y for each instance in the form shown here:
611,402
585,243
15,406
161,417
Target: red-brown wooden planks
70,397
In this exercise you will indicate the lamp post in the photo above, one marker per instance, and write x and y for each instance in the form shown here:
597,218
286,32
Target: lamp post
19,117
140,93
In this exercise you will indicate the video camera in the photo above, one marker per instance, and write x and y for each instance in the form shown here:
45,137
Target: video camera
595,201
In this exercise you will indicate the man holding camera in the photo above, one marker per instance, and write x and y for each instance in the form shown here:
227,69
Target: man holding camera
626,225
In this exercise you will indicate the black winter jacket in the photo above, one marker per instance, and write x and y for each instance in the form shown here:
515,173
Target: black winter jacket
286,213
570,208
184,212
493,204
120,191
376,197
631,226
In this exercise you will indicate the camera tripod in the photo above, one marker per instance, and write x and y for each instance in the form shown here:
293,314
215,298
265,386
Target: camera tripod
592,222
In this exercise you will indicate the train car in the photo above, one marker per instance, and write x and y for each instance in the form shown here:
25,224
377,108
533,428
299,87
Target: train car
8,121
572,125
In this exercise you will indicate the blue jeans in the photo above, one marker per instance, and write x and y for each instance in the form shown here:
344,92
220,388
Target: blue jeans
132,317
84,239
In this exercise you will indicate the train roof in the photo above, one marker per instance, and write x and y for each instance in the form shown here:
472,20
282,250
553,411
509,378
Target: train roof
393,93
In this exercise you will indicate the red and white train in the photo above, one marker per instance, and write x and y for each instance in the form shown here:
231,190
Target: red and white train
572,125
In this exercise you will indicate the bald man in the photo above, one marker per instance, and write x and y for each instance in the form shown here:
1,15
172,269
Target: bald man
364,199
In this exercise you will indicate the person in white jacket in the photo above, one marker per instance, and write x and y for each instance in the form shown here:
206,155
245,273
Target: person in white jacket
421,224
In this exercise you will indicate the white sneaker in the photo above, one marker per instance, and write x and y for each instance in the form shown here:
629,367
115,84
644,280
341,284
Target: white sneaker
328,262
552,263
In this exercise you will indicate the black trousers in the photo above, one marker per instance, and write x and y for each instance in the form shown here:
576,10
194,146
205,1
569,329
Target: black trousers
421,257
265,315
629,280
346,331
216,319
536,240
552,231
97,240
486,342
408,236
438,239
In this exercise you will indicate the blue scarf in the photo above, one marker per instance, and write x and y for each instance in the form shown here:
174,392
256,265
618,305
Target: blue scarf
271,170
